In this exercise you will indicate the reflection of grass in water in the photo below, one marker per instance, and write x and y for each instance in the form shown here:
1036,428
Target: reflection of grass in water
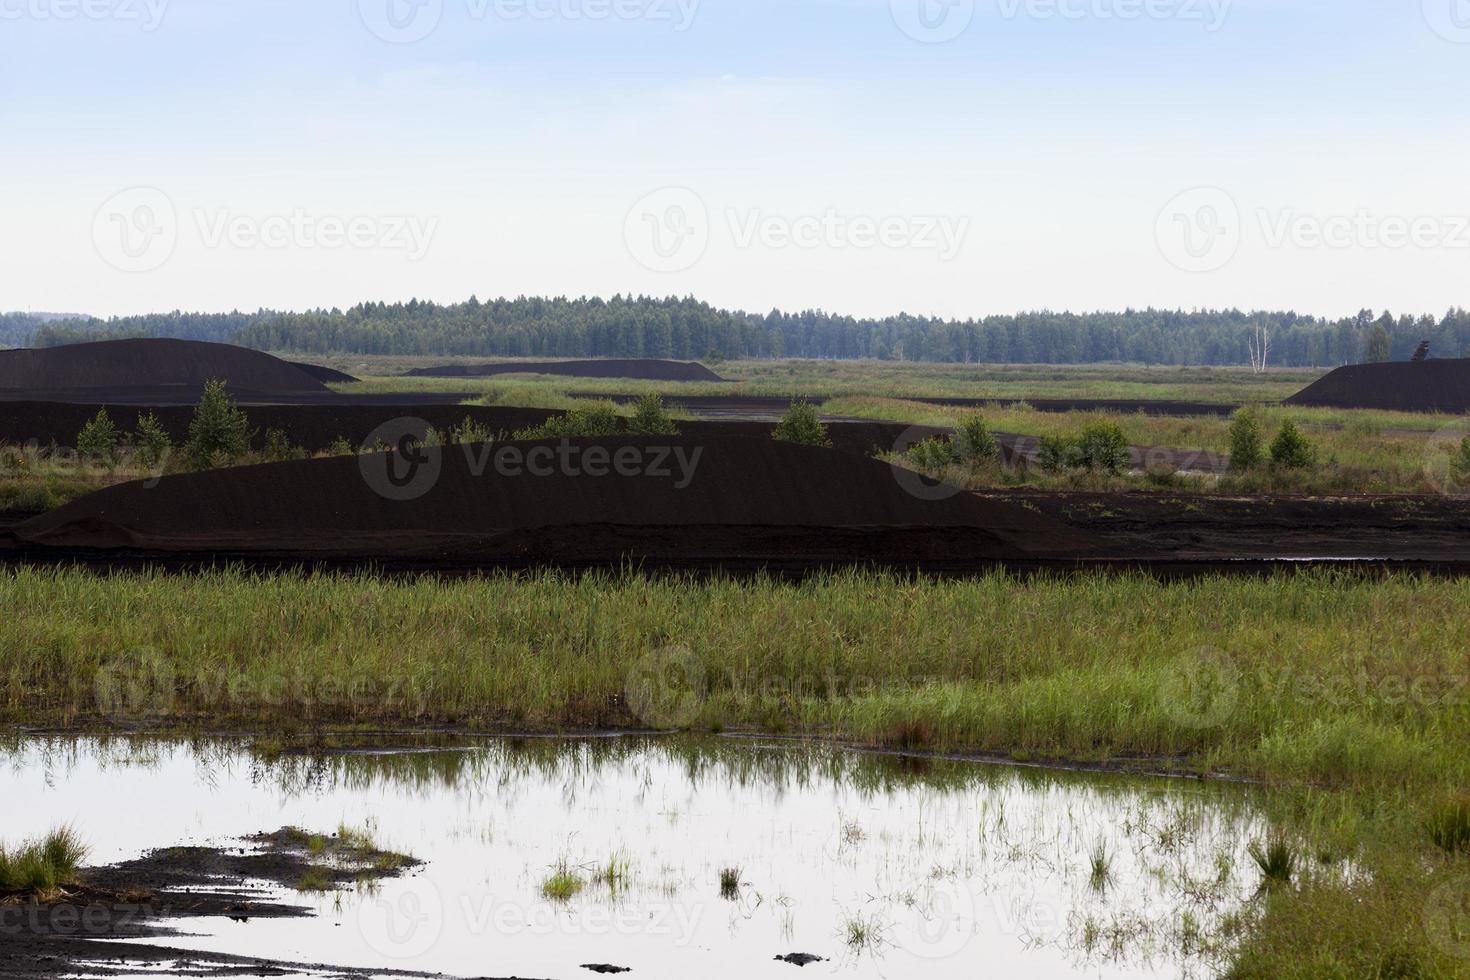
1101,867
730,884
863,933
615,873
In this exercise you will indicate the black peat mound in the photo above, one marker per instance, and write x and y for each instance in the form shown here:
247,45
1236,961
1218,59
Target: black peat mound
323,374
637,370
1398,386
148,364
680,502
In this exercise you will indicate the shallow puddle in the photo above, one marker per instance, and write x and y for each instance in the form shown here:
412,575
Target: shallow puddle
885,866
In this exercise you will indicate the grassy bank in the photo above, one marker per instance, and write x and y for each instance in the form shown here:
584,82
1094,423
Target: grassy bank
1349,694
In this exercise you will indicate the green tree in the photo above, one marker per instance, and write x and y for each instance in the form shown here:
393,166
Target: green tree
151,444
1102,448
1056,453
98,438
1246,439
802,425
973,442
220,432
1380,345
1290,449
650,418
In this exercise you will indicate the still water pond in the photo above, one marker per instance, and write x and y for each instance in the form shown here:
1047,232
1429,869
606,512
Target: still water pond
886,866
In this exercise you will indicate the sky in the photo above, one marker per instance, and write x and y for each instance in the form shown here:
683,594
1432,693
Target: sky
954,158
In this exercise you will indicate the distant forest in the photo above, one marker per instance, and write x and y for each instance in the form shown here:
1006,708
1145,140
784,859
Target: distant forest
688,329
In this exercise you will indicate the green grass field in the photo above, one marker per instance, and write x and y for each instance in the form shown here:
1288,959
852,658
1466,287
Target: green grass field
1346,695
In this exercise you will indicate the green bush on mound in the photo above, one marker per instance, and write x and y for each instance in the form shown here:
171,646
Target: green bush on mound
219,433
802,425
151,444
597,419
650,418
98,438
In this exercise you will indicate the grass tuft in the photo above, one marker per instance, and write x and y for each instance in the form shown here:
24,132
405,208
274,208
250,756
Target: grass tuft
1276,858
44,865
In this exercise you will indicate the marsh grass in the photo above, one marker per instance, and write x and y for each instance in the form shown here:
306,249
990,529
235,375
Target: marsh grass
1449,825
1100,867
730,884
1276,858
563,884
42,866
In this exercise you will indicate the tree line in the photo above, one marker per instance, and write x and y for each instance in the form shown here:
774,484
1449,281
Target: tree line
688,329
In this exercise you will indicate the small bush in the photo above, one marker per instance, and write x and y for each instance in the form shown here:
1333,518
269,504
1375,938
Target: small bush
151,444
1056,453
933,455
1102,448
219,433
467,432
1290,450
98,438
650,418
973,442
341,447
277,446
802,425
597,419
1245,440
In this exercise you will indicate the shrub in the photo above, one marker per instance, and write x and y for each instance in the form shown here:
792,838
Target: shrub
973,442
277,445
597,419
650,418
1460,463
98,438
1290,449
1245,440
151,443
468,431
933,455
802,425
219,433
1056,453
1102,448
341,447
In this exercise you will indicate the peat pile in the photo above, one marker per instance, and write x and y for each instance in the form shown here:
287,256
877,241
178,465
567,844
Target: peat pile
145,367
682,502
323,374
642,369
1398,386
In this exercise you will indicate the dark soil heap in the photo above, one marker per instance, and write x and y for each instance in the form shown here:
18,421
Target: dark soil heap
144,364
638,370
1398,386
745,501
323,374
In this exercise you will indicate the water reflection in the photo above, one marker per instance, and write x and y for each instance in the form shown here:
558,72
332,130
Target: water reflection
686,856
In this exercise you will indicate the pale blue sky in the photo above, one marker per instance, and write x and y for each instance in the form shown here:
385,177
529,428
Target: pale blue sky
506,154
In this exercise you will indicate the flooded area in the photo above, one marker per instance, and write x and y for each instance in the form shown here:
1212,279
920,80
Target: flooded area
675,857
